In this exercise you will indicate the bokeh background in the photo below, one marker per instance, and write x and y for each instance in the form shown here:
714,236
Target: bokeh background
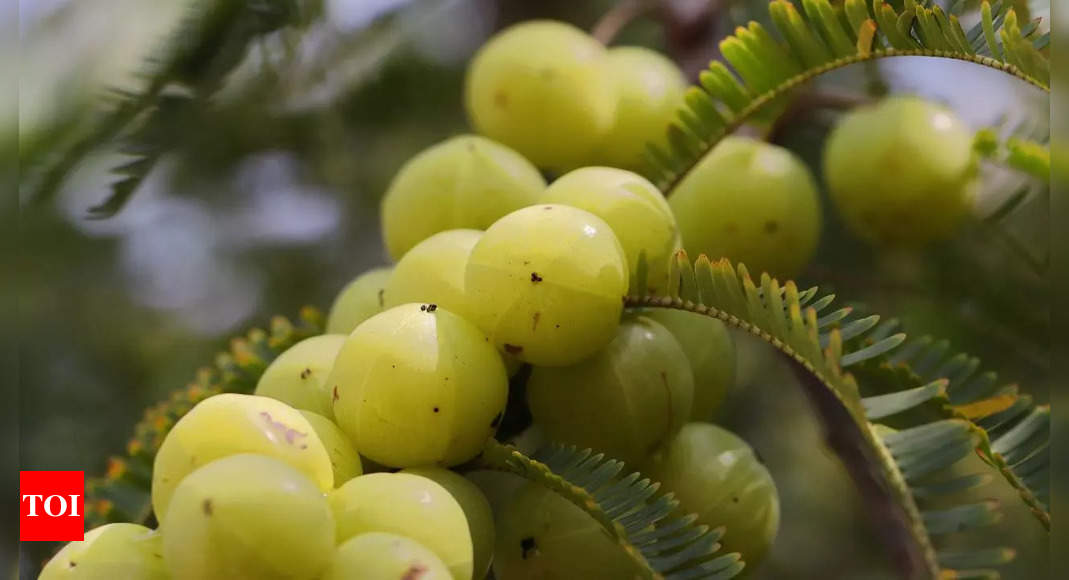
267,201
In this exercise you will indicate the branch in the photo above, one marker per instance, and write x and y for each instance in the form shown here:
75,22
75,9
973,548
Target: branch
617,18
889,519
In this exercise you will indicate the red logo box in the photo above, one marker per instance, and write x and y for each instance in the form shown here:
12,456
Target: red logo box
51,506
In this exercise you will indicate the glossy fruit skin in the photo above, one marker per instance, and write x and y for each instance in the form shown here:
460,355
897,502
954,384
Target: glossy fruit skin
543,88
476,509
247,517
382,556
635,210
542,536
128,551
751,202
710,349
230,424
716,475
359,300
625,401
650,88
466,182
549,282
407,505
343,456
297,377
901,172
433,272
416,386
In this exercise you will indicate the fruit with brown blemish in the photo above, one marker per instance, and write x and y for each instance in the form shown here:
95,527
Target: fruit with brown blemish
717,475
229,424
566,265
542,535
128,551
407,505
710,349
297,377
724,207
433,272
625,401
382,556
249,517
399,366
635,210
359,300
544,89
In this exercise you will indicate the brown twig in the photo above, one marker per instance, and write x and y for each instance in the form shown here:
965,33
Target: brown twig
889,519
617,18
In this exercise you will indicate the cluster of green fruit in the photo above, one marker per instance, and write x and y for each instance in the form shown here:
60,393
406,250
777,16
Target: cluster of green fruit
496,270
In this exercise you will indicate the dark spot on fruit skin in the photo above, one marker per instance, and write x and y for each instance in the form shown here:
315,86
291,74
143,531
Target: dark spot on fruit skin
548,207
335,392
496,421
206,507
535,277
735,499
771,226
501,100
556,326
306,373
429,307
436,409
534,322
528,547
382,303
513,349
72,563
414,572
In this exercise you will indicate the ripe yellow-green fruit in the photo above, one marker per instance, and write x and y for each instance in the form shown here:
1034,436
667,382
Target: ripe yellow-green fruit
359,300
298,375
710,351
126,551
751,202
548,283
418,385
463,182
625,401
716,475
382,556
544,89
247,517
476,509
633,207
432,272
542,536
902,171
407,505
230,424
650,88
343,456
